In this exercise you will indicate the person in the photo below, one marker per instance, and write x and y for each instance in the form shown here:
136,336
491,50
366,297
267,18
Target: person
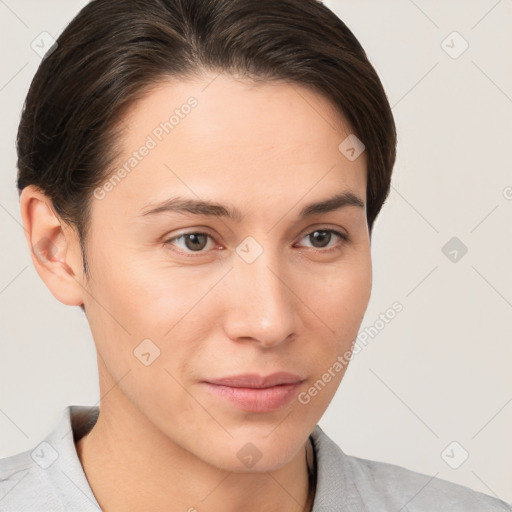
202,178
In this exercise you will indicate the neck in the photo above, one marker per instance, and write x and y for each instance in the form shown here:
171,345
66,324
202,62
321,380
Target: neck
133,467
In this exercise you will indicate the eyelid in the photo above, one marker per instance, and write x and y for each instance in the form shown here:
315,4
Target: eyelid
334,229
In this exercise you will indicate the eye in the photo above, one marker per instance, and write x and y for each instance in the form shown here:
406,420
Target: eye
193,241
321,238
197,242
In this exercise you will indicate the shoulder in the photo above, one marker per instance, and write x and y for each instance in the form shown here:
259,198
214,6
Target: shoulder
417,492
49,477
24,485
374,485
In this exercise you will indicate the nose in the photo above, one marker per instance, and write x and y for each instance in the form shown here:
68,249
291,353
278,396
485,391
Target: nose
260,305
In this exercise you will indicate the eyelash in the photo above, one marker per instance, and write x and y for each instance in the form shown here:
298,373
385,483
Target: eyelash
344,239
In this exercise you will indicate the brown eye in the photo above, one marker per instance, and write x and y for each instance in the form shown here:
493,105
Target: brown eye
321,238
194,241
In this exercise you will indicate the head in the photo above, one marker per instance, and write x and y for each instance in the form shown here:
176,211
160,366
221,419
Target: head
202,179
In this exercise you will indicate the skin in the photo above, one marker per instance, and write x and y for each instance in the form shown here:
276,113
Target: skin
268,151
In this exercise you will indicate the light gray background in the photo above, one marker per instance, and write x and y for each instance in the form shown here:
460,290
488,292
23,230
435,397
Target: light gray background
440,371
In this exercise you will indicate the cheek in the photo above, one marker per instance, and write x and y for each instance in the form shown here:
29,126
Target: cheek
339,304
141,329
343,297
154,301
144,293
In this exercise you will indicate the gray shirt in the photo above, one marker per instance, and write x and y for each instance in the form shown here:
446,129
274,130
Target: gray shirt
50,477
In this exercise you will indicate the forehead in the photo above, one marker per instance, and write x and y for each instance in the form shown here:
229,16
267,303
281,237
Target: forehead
237,112
236,140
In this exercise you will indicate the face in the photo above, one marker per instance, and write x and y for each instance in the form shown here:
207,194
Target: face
180,298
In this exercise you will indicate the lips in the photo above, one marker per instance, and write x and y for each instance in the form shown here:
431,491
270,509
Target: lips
255,393
257,381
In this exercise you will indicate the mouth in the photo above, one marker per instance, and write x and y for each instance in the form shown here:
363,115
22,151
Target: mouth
255,393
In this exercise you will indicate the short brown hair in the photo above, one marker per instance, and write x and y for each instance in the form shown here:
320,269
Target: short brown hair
113,50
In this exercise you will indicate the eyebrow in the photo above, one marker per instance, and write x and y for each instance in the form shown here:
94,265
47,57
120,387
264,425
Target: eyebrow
212,208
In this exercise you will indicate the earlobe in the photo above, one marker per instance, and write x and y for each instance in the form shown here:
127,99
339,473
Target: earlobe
54,247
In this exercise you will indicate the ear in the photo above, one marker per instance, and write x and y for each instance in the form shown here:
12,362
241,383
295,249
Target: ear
54,246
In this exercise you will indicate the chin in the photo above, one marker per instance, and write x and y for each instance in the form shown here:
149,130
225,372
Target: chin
251,453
